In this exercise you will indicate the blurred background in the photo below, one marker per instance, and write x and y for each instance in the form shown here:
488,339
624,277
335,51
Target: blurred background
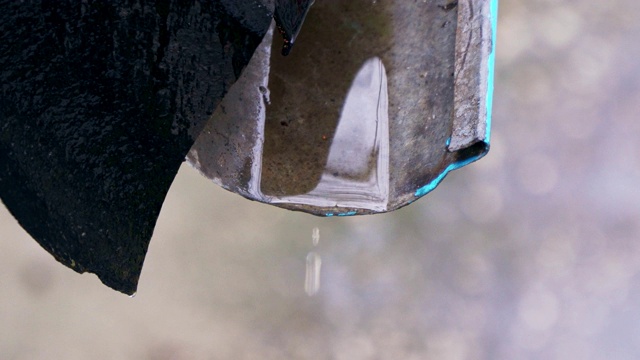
531,253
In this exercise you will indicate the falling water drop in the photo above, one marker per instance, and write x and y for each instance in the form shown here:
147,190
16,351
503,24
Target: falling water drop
315,236
312,275
312,278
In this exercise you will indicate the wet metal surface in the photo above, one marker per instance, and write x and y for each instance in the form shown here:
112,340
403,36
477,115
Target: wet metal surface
378,102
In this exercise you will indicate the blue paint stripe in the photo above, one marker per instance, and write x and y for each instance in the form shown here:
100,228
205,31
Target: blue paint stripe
457,165
348,213
492,63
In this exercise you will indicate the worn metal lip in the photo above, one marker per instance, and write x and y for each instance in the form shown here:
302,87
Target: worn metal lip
483,139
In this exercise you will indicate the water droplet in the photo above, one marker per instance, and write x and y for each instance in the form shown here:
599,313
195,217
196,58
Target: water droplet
315,236
312,276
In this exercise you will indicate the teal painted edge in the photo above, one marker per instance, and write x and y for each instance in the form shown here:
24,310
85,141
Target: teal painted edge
349,213
491,64
456,165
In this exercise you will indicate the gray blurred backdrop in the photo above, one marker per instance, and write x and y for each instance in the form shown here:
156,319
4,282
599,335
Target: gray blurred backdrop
531,253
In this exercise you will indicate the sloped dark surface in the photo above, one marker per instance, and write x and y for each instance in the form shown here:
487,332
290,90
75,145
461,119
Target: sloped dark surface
100,104
289,15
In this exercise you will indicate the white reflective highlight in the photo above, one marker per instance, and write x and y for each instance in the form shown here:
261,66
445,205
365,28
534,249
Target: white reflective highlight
357,170
312,275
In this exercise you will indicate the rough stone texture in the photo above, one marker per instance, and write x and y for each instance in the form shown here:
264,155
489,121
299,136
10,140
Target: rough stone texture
100,103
